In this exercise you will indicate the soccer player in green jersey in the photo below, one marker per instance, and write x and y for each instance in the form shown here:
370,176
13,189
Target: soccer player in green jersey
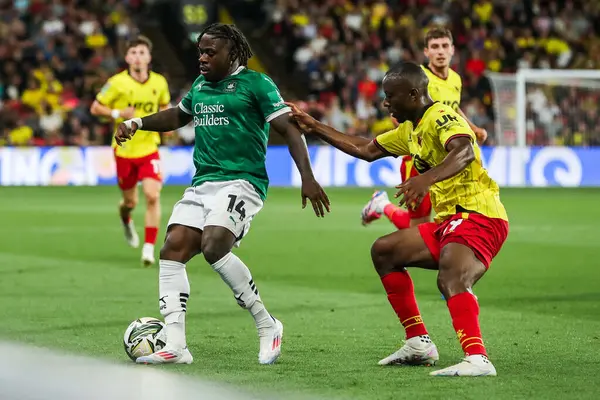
231,108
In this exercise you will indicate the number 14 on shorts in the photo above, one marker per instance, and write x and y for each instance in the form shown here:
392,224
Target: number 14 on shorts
237,206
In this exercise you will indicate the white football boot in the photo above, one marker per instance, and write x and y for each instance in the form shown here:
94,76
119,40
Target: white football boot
374,208
148,254
475,365
167,356
418,350
270,343
131,235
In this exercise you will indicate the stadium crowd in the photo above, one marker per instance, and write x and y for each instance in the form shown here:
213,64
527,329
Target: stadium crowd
343,48
56,54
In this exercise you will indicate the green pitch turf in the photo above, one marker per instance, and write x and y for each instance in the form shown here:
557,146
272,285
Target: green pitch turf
68,281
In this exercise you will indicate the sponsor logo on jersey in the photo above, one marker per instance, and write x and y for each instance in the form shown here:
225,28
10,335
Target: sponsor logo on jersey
454,104
146,106
446,118
208,115
230,88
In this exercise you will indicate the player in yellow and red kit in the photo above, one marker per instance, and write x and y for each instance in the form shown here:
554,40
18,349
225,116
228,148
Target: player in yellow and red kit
470,227
445,86
137,92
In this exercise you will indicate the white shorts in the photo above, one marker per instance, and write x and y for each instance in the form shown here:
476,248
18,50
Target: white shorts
230,204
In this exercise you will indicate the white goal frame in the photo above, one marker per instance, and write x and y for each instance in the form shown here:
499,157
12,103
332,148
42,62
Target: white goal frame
524,76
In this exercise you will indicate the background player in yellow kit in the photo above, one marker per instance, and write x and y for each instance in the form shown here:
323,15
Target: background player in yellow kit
445,86
137,92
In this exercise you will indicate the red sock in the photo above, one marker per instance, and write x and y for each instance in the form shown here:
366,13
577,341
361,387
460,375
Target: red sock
464,311
397,216
401,294
150,234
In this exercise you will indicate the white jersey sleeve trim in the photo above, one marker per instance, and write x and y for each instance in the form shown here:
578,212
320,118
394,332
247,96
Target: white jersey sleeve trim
185,109
278,113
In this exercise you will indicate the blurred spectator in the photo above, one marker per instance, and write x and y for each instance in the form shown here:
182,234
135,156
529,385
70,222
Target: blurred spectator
54,57
56,54
343,48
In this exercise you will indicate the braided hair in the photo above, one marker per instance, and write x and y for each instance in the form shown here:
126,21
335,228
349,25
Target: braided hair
239,44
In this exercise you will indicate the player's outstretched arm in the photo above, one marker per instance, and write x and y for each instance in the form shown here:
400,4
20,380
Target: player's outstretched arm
479,132
310,187
100,110
355,146
163,121
460,155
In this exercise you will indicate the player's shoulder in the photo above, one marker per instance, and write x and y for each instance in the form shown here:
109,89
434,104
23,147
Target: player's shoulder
198,82
256,77
454,78
427,71
400,130
157,78
120,77
438,110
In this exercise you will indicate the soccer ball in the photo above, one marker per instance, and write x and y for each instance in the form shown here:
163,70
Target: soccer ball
144,336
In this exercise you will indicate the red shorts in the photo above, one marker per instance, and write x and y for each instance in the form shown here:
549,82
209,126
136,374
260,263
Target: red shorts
130,171
481,234
424,209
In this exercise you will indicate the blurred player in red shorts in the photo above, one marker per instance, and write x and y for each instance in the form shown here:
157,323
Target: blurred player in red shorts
470,227
445,86
381,204
137,92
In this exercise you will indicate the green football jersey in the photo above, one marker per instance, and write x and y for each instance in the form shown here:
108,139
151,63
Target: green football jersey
231,124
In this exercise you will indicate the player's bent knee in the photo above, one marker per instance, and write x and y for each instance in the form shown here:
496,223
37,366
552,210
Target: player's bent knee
381,254
214,250
176,248
455,274
450,284
129,203
152,197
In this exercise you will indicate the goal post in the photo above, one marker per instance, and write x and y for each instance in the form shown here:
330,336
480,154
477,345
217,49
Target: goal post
546,107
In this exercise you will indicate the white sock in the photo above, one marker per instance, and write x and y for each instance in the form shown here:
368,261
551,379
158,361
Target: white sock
174,290
238,277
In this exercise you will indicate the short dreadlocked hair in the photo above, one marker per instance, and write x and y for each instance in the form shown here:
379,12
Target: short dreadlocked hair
239,44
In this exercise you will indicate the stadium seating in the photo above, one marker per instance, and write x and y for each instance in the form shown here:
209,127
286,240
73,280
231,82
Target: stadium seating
55,56
343,48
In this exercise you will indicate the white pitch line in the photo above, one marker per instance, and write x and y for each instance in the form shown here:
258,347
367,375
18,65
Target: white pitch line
31,373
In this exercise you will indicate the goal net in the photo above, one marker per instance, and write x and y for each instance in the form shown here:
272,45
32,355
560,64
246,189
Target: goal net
547,107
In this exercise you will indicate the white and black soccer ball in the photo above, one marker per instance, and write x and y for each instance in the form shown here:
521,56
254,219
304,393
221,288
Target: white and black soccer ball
144,336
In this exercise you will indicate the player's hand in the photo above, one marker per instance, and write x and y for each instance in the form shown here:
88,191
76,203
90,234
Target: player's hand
305,122
481,135
124,133
127,113
413,191
314,192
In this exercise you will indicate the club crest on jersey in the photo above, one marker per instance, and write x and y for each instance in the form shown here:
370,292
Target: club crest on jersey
420,165
230,88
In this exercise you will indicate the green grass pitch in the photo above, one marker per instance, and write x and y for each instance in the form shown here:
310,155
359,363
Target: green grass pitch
68,281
